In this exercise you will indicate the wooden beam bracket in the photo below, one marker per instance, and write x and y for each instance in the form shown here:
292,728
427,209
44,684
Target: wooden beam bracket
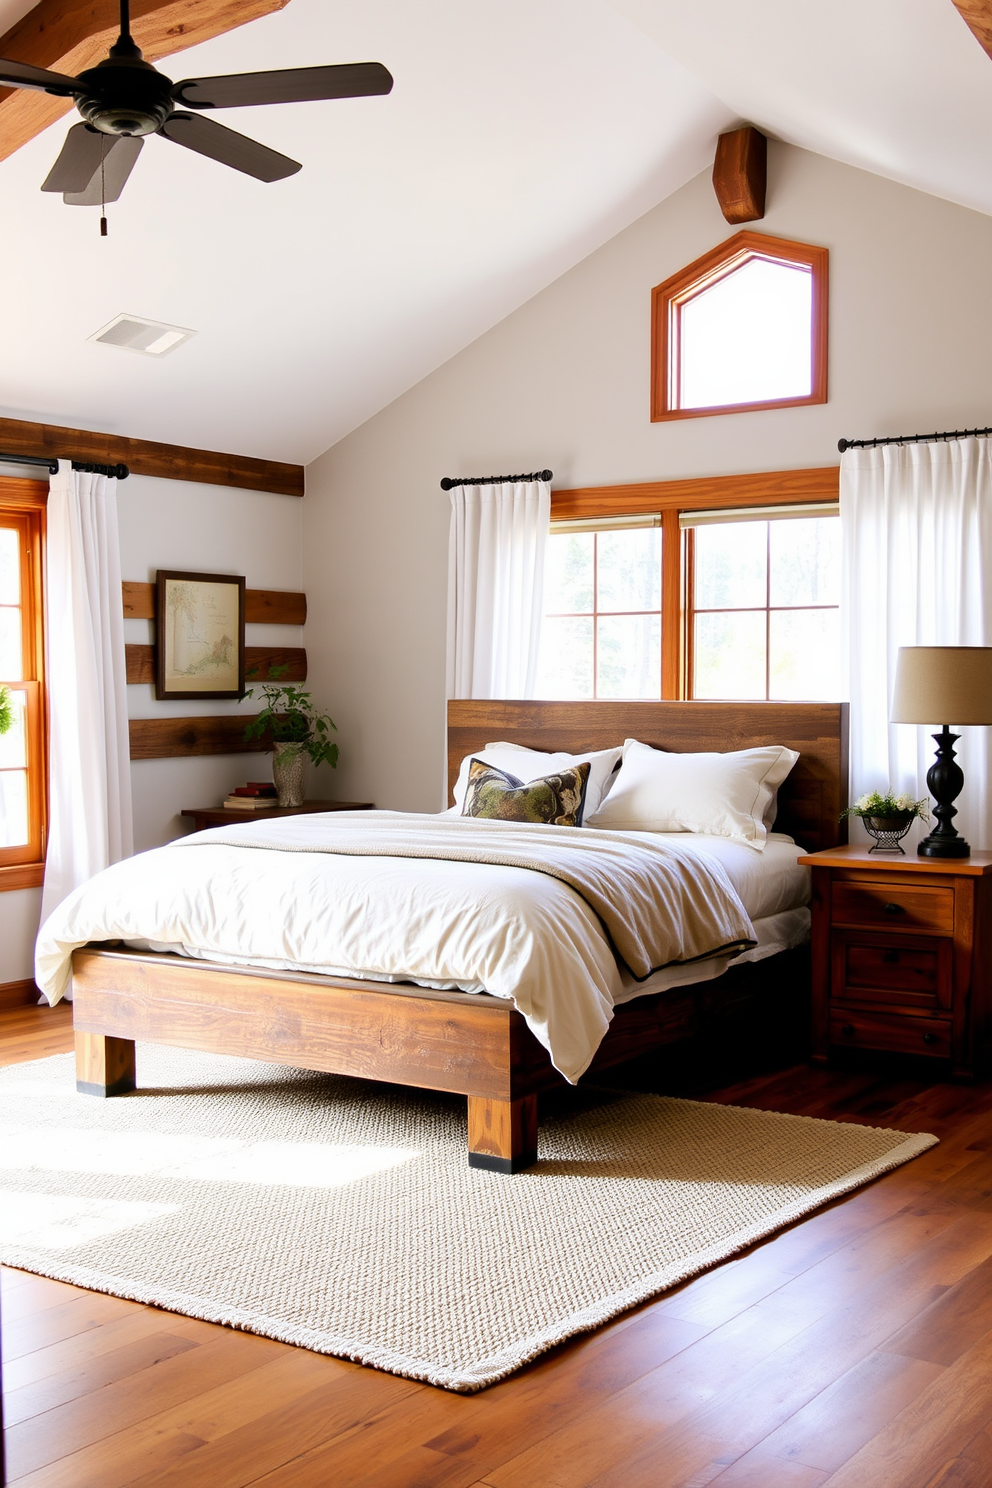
740,174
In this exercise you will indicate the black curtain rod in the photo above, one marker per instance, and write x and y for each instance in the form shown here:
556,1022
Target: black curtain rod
846,444
493,480
51,464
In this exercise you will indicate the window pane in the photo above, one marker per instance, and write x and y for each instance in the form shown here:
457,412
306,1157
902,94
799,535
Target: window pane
805,653
11,653
729,656
629,571
730,568
568,573
566,659
14,808
805,562
13,744
749,338
10,567
629,660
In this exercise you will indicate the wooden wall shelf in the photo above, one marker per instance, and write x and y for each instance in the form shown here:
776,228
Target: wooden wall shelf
262,606
259,661
170,738
174,738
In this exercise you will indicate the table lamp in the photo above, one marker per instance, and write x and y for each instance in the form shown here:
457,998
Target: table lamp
935,683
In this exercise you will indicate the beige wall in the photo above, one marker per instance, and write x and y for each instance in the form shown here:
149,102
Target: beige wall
214,529
210,529
563,382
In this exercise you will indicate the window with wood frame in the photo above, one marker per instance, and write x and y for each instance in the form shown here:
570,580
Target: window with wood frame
742,328
715,588
23,770
762,612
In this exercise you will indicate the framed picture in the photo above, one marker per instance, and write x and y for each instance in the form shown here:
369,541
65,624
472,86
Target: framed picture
199,635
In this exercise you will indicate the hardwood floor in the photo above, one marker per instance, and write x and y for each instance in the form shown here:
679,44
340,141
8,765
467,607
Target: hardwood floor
853,1350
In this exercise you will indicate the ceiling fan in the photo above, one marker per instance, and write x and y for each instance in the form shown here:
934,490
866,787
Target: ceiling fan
124,98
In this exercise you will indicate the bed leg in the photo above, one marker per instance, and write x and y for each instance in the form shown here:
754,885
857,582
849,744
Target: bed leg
104,1064
502,1135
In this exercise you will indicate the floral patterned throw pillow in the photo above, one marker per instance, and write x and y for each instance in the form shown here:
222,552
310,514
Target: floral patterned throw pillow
555,799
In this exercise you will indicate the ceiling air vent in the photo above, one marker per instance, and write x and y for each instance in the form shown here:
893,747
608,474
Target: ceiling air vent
135,333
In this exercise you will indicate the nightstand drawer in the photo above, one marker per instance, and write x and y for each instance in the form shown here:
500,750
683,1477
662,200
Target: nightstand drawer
930,1037
909,971
897,906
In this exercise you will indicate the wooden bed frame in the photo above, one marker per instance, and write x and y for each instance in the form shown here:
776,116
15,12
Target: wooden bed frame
477,1046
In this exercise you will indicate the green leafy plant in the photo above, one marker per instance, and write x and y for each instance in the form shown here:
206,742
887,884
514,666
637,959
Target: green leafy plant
6,710
888,803
290,717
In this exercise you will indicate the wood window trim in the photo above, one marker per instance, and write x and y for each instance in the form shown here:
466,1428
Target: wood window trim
28,500
668,298
669,498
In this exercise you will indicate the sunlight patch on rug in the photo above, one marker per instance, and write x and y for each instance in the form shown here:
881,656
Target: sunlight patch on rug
342,1216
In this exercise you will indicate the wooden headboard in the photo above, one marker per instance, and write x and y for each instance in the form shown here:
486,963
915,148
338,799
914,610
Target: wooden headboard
809,803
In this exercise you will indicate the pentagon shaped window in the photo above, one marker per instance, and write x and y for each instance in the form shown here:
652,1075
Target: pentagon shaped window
743,327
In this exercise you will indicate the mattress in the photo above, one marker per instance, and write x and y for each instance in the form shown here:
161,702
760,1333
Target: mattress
475,927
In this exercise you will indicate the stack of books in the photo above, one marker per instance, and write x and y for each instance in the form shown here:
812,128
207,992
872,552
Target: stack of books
255,796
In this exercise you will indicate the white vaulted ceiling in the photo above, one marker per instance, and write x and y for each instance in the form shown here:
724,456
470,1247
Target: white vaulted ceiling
518,138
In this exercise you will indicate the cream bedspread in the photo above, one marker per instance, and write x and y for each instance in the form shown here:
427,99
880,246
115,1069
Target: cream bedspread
521,911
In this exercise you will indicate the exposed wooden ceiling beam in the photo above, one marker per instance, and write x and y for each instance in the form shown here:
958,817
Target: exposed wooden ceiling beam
978,14
70,35
144,457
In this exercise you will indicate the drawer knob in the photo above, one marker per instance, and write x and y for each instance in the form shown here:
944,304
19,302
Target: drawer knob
929,1038
847,1029
891,957
894,909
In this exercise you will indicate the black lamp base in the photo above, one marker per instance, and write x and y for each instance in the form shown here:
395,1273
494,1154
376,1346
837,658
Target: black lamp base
936,847
945,779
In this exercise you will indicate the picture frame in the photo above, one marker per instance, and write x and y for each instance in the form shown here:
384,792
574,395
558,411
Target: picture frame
199,635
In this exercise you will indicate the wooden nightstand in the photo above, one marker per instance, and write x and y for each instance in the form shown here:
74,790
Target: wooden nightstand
218,816
901,955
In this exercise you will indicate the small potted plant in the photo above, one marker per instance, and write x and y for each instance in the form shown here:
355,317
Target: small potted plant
298,733
6,710
887,817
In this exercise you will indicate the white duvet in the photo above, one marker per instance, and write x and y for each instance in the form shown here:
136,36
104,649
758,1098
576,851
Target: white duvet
488,927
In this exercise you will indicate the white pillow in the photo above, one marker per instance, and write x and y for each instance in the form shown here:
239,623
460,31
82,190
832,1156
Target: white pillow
728,795
531,764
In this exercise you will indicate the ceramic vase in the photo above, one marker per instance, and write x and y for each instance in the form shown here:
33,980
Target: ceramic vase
289,764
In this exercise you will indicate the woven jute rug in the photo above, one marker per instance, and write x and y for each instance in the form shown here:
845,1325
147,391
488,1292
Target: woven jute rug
344,1217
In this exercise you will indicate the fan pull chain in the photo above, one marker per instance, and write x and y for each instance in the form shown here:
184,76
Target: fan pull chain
103,189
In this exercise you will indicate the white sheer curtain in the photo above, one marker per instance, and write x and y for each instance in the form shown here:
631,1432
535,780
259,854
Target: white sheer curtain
89,758
917,535
499,534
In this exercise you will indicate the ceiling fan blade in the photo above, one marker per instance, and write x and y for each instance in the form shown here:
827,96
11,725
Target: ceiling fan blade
194,132
118,163
294,85
79,160
23,75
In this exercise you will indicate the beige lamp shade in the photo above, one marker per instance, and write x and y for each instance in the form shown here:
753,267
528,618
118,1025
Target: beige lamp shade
943,684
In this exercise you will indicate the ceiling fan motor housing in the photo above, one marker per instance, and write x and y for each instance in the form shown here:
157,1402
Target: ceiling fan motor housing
125,95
